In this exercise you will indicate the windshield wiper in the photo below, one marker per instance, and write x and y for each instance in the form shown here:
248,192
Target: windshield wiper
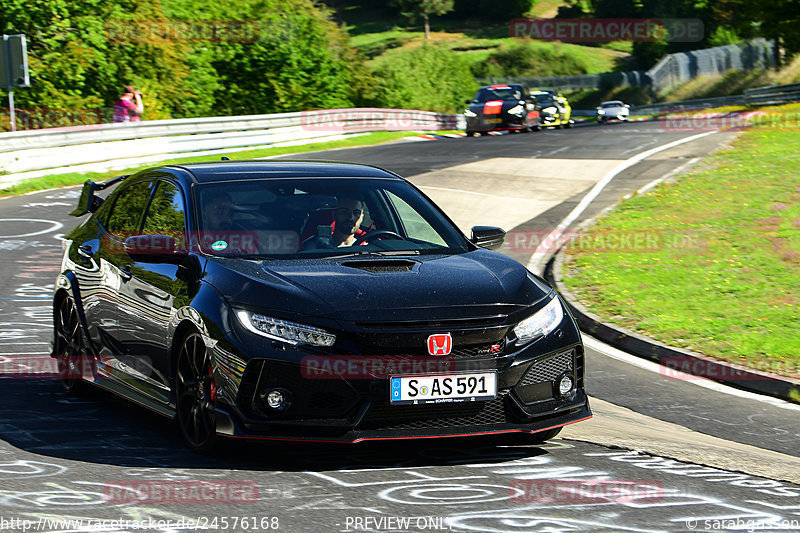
382,253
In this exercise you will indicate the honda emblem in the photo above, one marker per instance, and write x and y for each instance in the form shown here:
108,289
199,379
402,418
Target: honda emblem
440,344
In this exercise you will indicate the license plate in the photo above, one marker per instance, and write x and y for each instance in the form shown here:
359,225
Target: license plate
451,388
491,121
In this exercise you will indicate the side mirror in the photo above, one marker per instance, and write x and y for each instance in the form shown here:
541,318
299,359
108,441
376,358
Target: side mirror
627,105
488,237
154,249
468,102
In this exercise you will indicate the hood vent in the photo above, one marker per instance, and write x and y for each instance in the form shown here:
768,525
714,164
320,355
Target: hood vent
378,266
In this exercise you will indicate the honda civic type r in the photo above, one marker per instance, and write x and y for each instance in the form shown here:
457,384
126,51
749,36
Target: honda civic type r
313,301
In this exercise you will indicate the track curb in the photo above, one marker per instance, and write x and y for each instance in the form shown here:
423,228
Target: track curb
673,360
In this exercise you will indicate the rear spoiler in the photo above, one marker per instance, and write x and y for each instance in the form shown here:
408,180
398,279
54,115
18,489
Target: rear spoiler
88,202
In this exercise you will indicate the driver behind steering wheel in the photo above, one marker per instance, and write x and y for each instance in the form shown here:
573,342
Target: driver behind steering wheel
347,221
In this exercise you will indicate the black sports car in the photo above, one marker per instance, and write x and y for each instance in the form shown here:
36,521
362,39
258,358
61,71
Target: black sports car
502,107
295,300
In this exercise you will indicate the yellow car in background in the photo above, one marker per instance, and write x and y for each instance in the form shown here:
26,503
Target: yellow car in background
554,108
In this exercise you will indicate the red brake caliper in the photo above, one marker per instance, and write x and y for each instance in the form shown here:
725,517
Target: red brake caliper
212,389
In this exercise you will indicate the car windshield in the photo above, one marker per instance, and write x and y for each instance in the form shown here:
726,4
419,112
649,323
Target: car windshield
320,217
612,104
498,92
544,99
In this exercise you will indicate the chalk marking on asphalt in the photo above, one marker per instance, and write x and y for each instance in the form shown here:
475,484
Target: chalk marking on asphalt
55,226
619,355
536,263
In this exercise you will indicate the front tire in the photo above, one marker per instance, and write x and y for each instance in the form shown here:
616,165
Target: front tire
69,347
195,393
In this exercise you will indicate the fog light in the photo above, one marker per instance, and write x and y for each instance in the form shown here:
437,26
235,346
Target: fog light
565,385
277,399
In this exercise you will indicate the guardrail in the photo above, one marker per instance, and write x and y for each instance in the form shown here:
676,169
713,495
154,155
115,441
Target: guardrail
43,149
773,94
759,96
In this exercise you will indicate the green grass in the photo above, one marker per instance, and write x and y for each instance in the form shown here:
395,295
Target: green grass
76,178
380,47
722,274
379,38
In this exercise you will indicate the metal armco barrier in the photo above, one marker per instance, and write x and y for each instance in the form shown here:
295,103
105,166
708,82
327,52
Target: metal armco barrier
773,94
49,148
760,96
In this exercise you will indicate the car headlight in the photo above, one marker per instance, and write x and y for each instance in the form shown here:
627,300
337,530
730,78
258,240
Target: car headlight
601,112
516,110
541,323
469,114
285,331
551,109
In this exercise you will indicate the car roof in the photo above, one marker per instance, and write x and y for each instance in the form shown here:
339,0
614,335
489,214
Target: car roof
500,86
615,102
214,171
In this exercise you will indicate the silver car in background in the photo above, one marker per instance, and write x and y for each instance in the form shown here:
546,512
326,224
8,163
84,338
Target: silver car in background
612,110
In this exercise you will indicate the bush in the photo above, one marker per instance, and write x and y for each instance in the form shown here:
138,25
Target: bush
428,77
528,59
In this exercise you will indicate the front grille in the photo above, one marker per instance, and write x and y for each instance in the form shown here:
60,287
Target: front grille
548,369
494,349
431,325
411,417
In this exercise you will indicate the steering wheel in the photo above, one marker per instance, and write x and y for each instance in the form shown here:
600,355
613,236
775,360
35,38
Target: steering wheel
378,233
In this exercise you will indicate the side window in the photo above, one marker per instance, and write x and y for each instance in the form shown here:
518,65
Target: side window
166,214
126,215
415,225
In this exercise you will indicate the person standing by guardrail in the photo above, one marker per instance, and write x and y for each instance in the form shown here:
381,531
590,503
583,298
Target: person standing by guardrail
125,109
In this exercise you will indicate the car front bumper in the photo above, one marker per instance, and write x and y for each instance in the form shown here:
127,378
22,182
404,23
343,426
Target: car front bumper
348,410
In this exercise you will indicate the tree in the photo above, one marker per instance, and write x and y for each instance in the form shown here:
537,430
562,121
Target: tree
425,8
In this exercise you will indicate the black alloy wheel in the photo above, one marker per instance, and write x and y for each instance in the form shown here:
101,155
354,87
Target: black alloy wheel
69,347
195,393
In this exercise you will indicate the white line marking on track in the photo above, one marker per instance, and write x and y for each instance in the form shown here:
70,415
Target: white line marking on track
651,366
536,263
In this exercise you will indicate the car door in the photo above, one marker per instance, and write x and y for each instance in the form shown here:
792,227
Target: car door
126,208
152,295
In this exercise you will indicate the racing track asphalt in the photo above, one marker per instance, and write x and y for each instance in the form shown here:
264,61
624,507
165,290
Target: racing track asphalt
59,455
